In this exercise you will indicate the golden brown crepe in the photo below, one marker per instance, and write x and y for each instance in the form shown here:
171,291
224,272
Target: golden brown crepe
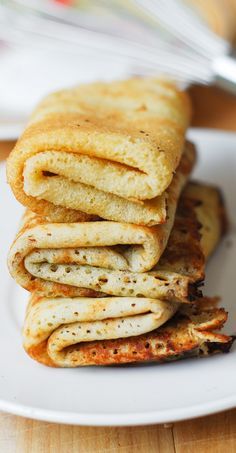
78,331
60,260
54,337
90,319
210,206
146,244
104,149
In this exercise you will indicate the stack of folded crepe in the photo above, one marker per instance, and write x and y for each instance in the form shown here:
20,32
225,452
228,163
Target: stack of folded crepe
114,240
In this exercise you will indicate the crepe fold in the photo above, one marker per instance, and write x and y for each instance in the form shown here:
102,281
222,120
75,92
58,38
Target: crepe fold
105,244
105,149
68,260
211,213
80,331
59,334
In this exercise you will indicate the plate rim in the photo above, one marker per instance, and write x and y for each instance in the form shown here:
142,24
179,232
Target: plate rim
129,418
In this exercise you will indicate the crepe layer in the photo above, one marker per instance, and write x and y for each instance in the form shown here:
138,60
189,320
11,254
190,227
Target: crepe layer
187,334
105,149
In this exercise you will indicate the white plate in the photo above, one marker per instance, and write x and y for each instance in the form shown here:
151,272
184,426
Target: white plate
127,395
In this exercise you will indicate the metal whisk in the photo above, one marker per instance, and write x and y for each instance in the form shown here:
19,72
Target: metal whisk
163,37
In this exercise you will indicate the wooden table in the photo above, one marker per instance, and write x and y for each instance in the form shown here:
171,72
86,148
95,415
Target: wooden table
214,434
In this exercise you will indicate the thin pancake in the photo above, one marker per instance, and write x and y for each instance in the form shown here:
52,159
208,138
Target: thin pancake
146,244
108,150
47,258
187,334
89,319
210,205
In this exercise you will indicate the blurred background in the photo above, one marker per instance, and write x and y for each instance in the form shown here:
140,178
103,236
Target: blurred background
46,45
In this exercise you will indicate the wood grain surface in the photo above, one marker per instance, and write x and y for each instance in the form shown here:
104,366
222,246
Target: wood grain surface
214,434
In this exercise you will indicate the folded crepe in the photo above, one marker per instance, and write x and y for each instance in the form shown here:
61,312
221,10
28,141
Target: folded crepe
78,331
105,149
88,260
146,244
61,333
211,213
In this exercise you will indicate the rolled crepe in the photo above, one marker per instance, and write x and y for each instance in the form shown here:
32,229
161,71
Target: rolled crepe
90,319
77,259
66,259
211,213
146,244
107,150
55,336
76,331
